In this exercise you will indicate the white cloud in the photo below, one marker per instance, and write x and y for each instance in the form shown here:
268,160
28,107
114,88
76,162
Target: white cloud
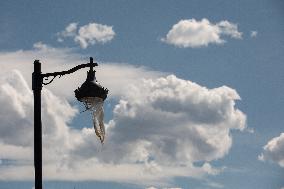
89,34
70,31
94,33
59,59
230,29
195,125
16,139
274,150
194,33
253,33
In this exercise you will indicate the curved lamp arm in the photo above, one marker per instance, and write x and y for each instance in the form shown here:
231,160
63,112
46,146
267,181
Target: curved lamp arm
55,74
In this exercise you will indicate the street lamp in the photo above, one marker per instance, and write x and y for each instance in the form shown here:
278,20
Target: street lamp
90,93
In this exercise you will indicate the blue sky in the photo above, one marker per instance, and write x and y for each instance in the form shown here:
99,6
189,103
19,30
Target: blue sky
238,44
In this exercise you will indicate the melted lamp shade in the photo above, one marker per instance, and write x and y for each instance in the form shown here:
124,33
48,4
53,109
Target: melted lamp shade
93,95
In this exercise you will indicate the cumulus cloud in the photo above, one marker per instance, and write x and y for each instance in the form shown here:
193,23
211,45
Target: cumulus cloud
89,34
274,151
195,124
16,139
16,98
161,124
69,31
194,33
61,158
94,33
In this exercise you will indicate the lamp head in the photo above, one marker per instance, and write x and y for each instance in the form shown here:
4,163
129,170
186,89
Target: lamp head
90,88
93,95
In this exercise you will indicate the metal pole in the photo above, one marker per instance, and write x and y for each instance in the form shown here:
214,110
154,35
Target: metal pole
37,86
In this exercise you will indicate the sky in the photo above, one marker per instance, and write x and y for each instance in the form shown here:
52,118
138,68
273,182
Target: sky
195,93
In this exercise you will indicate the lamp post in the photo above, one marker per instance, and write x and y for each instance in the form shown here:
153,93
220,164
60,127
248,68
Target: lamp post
88,90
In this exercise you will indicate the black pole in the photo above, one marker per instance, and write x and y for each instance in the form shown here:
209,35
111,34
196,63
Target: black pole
37,86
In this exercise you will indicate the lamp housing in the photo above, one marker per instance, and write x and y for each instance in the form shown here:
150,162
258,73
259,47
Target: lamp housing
90,88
